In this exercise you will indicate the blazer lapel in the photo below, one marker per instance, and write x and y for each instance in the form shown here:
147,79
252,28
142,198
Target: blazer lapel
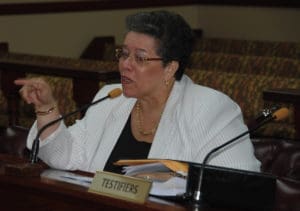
113,128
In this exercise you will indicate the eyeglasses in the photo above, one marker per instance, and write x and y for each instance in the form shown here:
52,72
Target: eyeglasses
122,55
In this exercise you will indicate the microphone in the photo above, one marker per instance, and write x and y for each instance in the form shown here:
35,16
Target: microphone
35,146
265,113
278,115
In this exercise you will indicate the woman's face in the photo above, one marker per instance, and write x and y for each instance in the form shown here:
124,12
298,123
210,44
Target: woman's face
140,77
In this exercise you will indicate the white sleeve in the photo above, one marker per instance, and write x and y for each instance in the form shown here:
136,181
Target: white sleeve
58,149
222,123
71,147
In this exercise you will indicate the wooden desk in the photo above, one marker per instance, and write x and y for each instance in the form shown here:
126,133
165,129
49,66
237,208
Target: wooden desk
38,193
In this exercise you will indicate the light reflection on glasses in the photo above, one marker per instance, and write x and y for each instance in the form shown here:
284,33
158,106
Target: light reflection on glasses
122,55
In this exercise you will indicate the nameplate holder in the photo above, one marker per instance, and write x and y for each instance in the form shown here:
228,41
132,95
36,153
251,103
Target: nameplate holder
120,186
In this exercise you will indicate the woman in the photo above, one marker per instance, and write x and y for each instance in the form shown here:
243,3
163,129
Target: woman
161,114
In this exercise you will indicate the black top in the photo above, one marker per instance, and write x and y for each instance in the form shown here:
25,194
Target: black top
127,147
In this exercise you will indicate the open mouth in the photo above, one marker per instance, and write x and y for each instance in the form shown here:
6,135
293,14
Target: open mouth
125,80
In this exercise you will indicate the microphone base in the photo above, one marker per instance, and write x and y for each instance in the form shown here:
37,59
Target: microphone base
24,169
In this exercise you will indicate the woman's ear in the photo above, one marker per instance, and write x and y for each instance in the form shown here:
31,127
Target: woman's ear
171,69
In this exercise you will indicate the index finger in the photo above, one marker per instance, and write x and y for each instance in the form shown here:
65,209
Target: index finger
21,81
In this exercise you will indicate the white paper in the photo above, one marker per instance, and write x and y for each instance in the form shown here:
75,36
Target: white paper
144,168
66,176
172,187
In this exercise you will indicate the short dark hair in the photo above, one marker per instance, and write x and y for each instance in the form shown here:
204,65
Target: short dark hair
175,37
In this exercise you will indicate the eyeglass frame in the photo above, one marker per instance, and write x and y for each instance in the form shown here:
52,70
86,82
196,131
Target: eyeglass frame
138,59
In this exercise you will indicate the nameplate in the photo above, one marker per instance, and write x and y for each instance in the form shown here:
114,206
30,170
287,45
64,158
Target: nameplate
120,186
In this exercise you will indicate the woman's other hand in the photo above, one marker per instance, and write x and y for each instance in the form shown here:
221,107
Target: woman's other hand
36,91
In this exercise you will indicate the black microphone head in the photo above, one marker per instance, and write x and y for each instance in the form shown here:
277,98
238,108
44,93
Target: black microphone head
115,93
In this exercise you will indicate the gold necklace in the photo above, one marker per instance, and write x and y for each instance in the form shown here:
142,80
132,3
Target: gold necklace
140,121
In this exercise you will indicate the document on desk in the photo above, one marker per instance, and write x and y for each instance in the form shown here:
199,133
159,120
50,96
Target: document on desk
173,165
173,186
66,176
143,168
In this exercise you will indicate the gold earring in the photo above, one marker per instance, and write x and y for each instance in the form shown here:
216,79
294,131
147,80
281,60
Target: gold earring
167,82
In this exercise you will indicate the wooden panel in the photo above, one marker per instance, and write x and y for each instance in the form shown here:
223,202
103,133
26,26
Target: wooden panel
288,96
93,5
85,73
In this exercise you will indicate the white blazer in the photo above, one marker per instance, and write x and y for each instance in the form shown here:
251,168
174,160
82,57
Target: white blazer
195,120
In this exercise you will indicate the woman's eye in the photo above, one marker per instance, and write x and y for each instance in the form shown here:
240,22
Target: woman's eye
125,54
140,59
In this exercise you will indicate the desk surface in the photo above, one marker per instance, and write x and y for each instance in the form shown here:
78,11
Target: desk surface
39,193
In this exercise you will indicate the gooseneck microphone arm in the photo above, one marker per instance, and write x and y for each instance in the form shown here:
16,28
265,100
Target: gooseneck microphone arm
269,116
35,146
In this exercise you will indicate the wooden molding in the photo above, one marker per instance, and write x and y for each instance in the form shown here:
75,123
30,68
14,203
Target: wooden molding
95,5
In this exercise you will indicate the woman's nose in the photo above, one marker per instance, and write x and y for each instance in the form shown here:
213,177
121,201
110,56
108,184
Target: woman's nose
128,62
130,59
125,65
